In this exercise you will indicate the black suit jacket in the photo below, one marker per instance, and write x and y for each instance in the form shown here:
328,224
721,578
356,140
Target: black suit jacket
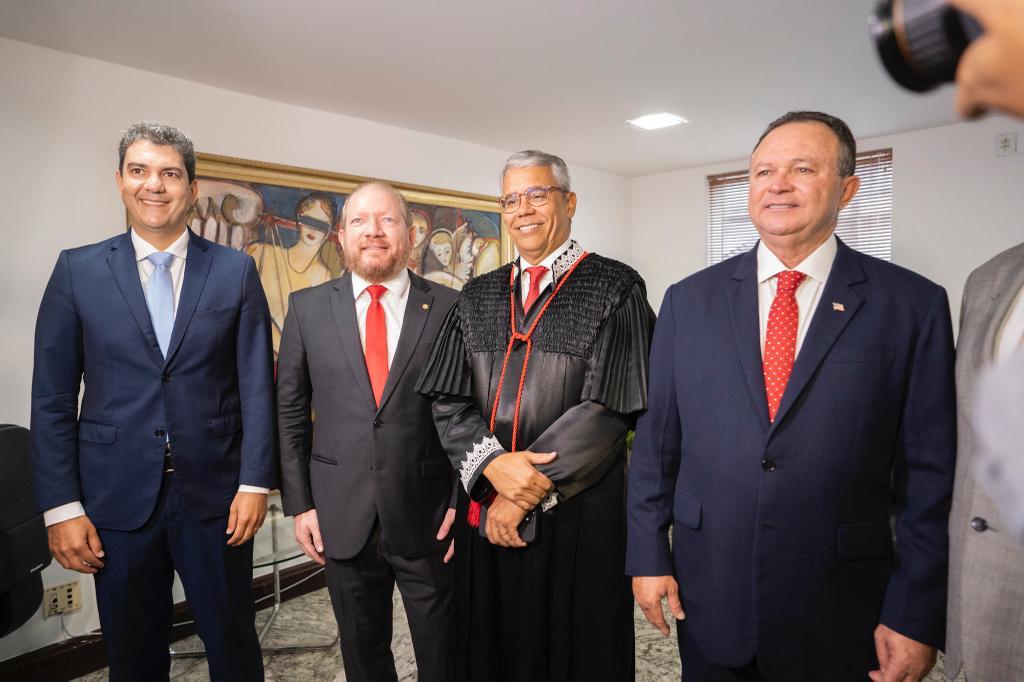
356,462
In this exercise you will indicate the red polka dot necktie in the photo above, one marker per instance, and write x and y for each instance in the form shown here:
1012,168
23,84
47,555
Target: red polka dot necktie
536,275
376,352
780,338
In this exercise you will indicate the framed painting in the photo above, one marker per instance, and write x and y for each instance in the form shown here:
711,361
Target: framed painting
287,219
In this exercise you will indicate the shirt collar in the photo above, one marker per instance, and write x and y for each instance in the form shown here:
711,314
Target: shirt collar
396,285
816,266
179,249
559,260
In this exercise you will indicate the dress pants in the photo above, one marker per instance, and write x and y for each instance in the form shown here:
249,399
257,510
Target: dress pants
696,668
361,589
133,593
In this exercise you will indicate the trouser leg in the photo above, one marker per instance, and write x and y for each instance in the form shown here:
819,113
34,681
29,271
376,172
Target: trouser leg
361,590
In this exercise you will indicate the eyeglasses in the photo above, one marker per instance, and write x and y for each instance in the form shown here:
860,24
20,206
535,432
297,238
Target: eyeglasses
536,196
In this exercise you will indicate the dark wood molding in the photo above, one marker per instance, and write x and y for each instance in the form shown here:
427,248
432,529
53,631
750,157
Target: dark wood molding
82,655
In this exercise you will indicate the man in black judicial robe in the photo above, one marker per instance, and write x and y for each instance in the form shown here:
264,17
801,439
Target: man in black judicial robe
535,422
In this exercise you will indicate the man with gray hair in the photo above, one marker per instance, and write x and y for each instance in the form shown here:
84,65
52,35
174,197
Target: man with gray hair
167,463
538,373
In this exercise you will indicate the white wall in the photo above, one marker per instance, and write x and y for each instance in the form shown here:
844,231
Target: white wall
955,205
60,119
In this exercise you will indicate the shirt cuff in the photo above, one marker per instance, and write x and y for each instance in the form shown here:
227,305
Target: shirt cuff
253,489
471,468
64,512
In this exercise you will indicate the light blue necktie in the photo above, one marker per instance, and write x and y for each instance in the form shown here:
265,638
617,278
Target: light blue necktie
160,298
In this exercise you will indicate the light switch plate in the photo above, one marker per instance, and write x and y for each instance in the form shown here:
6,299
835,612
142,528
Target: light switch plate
1006,144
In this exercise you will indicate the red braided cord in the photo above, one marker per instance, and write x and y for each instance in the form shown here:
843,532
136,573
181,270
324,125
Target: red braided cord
501,380
519,392
474,507
516,336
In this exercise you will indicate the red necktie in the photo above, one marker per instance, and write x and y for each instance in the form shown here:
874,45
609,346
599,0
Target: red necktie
536,275
376,341
780,338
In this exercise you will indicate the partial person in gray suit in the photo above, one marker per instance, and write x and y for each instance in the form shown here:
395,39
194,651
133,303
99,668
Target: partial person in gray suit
368,482
985,614
985,628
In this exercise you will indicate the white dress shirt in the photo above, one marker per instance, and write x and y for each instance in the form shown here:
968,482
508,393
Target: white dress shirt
816,266
547,262
393,301
1011,335
179,249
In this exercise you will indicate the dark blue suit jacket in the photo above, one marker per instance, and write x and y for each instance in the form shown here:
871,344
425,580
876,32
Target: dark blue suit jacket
781,531
214,395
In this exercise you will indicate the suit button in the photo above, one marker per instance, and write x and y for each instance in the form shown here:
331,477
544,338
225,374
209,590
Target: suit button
160,433
979,524
378,423
768,464
166,378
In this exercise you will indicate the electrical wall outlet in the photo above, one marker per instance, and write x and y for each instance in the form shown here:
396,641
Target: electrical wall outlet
61,599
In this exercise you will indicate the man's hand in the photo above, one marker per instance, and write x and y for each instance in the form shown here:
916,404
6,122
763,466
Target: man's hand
991,71
649,590
307,534
900,658
442,533
245,517
515,478
503,519
75,545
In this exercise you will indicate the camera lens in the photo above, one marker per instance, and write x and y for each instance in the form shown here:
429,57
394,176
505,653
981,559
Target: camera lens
920,41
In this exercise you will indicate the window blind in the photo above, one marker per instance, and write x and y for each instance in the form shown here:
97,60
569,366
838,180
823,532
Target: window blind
865,224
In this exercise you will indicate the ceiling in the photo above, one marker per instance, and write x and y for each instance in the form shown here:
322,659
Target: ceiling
560,75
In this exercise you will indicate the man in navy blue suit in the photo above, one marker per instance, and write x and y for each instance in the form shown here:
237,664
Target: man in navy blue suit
799,393
167,464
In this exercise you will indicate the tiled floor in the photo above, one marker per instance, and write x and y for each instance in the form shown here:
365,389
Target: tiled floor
309,618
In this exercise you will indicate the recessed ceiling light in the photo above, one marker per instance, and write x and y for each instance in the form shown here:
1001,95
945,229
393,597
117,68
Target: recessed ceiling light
656,121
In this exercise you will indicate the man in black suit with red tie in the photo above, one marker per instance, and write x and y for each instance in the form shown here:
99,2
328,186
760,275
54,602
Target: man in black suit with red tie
368,482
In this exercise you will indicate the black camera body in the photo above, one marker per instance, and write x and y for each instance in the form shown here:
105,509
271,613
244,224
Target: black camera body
921,41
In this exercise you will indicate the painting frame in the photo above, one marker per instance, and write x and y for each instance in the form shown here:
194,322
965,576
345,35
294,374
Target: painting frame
266,172
457,235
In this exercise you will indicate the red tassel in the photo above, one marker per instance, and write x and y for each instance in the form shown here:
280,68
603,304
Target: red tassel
474,514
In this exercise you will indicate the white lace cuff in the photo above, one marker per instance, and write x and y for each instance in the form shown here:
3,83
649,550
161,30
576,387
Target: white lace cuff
481,451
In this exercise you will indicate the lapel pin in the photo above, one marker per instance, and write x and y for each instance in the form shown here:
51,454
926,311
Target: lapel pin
839,307
426,306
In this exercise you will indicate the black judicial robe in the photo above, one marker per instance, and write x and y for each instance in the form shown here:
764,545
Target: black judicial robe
561,608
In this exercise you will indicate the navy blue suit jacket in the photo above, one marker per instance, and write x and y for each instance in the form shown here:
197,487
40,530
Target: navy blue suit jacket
781,531
214,394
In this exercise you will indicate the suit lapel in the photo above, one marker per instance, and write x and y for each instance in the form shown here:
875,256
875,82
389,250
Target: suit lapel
197,269
125,269
1006,284
828,323
343,308
746,329
417,309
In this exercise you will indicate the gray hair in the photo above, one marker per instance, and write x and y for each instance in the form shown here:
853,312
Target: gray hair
159,134
402,203
532,158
